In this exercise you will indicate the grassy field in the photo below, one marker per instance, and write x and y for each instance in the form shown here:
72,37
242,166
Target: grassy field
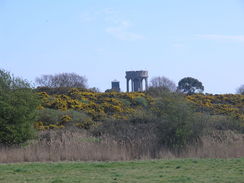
180,170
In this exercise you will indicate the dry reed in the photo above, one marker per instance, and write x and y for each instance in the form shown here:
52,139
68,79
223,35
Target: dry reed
68,145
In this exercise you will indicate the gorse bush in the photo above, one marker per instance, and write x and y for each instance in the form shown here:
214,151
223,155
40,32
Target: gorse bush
99,106
51,118
59,90
227,105
18,106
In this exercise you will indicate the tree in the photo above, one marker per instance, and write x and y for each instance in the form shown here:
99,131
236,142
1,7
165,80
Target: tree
18,106
240,90
69,80
190,85
163,83
178,124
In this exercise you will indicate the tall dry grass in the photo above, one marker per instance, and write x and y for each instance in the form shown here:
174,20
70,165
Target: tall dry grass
73,145
217,144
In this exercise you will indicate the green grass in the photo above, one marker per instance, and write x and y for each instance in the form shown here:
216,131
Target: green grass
160,171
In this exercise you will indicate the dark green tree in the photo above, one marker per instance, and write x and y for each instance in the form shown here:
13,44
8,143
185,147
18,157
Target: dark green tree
178,124
190,85
18,105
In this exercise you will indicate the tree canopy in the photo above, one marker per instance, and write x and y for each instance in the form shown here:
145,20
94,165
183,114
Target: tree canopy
69,80
163,83
18,105
190,85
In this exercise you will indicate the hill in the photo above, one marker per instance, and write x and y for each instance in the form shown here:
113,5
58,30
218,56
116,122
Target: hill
65,107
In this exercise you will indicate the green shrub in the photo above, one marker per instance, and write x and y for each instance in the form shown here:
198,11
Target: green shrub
141,101
18,106
179,125
47,117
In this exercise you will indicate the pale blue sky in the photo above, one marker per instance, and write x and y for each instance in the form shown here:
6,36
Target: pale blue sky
101,39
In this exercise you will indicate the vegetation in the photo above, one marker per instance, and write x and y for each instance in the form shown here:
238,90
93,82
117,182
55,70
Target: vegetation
18,105
132,142
170,116
179,125
160,171
228,104
174,120
97,106
163,83
142,123
69,80
240,90
190,86
170,119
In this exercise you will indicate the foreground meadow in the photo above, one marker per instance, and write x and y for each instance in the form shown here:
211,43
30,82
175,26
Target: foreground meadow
178,170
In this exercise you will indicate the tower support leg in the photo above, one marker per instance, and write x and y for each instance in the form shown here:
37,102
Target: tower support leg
127,85
146,84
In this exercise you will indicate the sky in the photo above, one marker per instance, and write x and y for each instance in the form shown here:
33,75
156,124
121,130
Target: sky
100,40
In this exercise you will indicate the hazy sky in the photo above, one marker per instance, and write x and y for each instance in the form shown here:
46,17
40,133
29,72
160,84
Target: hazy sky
101,39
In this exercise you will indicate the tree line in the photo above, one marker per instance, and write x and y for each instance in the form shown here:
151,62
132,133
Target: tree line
187,85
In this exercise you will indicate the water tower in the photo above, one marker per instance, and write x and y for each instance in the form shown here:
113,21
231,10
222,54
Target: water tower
136,78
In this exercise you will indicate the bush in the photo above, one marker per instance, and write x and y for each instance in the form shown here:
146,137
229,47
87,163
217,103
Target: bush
224,105
141,101
169,122
50,118
18,106
179,125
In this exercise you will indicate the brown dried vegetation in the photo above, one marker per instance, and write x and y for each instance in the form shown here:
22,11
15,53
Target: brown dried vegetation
78,145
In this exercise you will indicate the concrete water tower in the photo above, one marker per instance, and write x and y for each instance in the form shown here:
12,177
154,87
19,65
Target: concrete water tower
136,78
